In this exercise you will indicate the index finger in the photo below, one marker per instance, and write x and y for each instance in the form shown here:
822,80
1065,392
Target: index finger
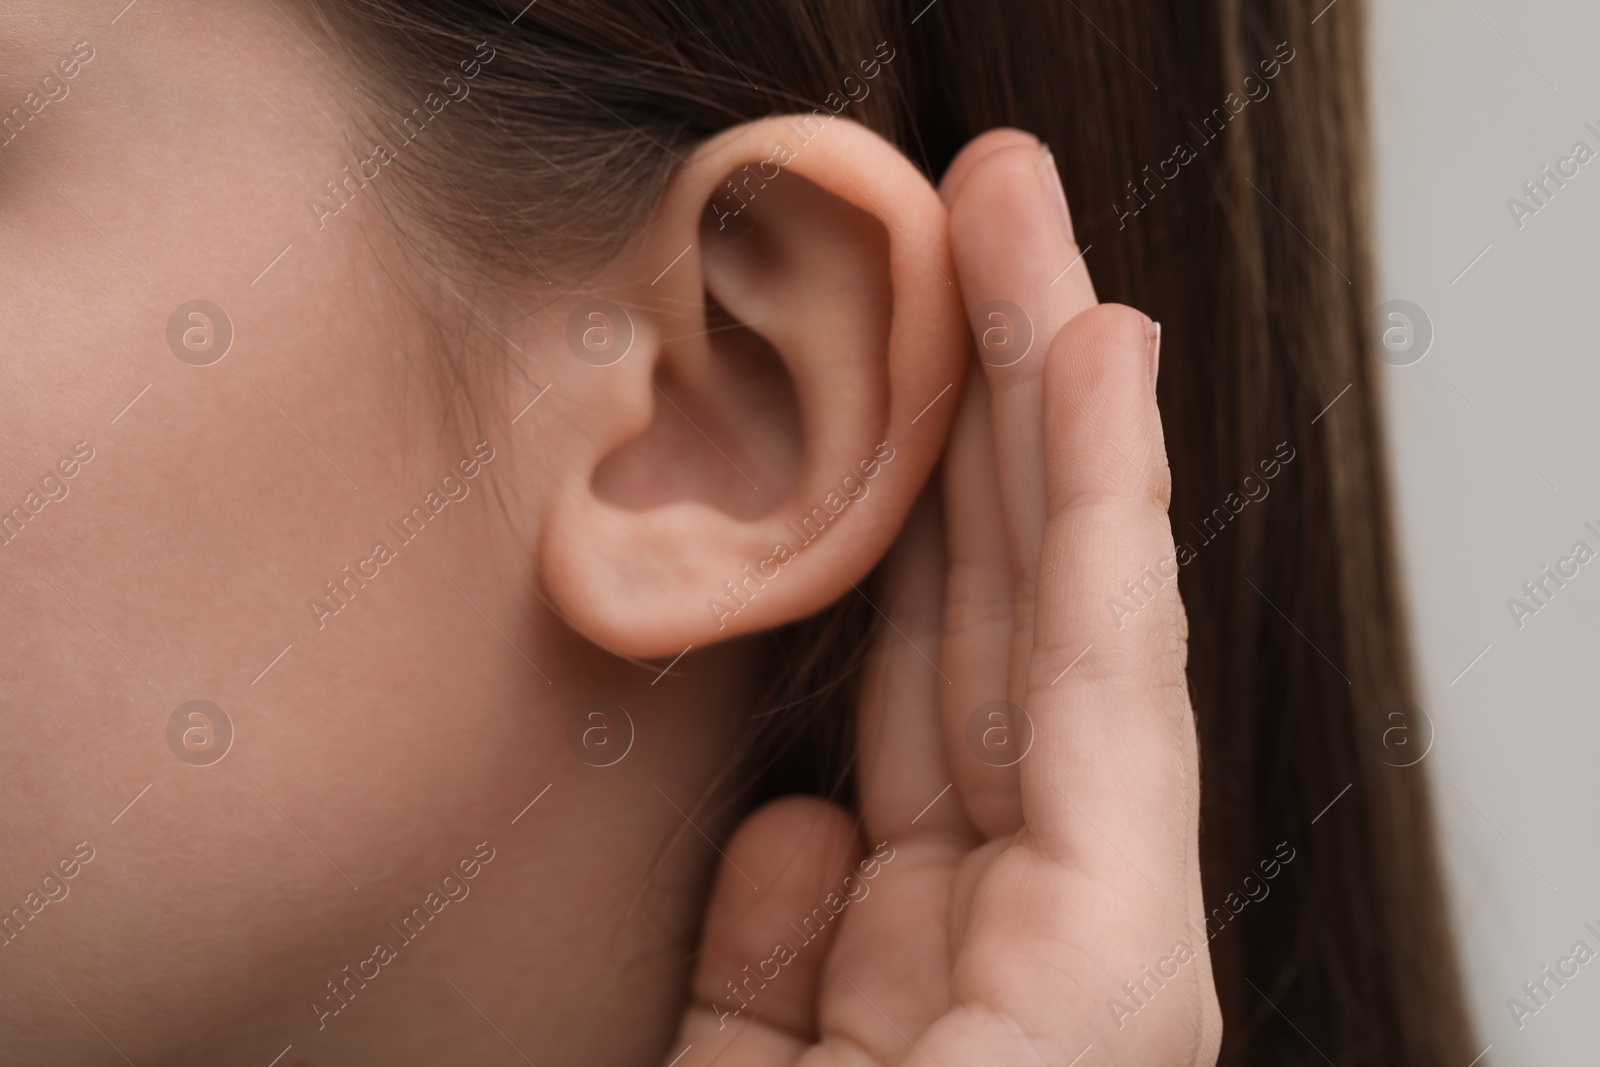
1022,279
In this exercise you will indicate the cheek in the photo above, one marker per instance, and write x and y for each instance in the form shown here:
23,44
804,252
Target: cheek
221,497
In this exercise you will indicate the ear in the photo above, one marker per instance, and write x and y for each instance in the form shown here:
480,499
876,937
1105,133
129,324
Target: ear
797,348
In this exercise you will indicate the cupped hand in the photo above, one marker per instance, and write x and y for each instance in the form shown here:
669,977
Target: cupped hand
1024,888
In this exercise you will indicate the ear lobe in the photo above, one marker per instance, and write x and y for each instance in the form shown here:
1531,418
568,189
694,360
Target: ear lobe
792,379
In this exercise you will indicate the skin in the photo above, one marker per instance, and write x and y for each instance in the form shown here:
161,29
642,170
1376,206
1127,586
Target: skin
1021,896
407,734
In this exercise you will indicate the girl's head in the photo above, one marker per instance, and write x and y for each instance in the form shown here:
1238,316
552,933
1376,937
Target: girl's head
459,436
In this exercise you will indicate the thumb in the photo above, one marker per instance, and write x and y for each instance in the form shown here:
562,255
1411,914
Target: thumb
760,964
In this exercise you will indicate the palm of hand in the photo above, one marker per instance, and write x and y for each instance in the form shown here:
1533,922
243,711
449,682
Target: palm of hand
1005,906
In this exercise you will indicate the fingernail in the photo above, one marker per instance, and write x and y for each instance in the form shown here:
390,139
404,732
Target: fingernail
1051,177
1152,334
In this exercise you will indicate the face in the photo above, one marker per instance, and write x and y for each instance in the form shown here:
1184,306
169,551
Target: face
276,672
337,697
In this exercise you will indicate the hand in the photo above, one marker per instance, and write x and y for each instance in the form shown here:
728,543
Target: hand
1025,914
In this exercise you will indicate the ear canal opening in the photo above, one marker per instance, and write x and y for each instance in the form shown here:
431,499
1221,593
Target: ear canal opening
725,430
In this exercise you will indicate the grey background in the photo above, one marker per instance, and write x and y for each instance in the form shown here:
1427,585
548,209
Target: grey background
1470,99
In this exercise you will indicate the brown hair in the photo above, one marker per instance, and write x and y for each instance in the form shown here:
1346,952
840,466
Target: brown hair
1215,157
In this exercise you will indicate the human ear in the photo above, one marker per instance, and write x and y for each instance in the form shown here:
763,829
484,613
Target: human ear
797,346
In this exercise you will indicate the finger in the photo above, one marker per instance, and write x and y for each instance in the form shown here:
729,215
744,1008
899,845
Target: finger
979,148
1013,243
905,774
1023,278
1112,783
1112,788
979,616
1012,239
782,860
